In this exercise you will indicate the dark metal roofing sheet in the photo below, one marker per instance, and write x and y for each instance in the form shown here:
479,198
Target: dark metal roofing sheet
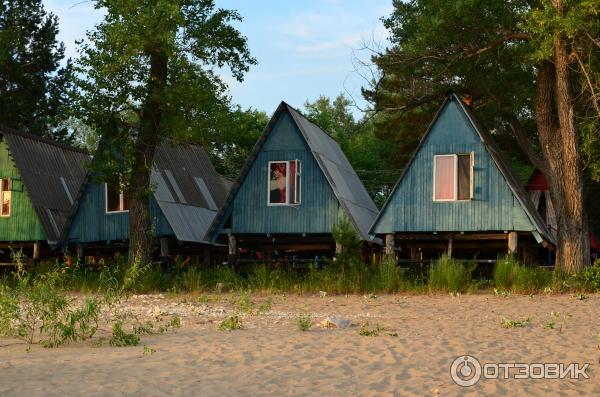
53,175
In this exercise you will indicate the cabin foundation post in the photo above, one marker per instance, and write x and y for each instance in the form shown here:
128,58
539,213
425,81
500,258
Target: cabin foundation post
389,244
232,248
164,247
338,248
79,253
414,253
513,241
450,244
36,251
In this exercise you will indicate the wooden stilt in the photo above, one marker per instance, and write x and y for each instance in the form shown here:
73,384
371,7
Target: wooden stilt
450,243
513,241
232,245
164,246
36,251
80,253
389,244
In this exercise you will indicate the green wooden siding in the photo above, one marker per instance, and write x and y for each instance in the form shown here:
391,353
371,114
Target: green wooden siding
412,209
23,223
319,208
93,224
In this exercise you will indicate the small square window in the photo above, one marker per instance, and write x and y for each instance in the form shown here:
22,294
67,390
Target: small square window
453,177
5,197
284,182
116,200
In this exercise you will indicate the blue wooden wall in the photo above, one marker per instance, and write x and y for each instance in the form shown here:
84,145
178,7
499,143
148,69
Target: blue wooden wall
412,209
319,207
93,224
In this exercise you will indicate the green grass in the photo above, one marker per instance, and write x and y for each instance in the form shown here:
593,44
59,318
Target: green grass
510,275
449,275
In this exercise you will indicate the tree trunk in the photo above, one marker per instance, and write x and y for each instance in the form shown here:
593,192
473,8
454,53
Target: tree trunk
559,142
141,240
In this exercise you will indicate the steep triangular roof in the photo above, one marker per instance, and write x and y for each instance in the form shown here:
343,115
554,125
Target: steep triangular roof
494,152
53,174
189,191
340,175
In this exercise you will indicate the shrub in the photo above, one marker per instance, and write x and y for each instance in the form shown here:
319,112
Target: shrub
231,323
367,329
304,321
589,277
121,338
447,274
508,323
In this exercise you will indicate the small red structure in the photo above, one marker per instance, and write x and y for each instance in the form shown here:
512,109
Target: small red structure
537,188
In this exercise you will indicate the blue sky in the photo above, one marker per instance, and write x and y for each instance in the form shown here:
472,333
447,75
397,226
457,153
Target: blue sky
304,48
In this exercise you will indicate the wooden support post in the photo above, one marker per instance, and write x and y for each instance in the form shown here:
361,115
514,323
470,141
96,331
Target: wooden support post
36,251
513,241
338,248
389,244
414,253
79,252
450,243
164,246
232,245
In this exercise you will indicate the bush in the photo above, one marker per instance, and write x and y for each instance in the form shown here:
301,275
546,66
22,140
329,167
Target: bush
449,275
589,277
304,321
509,274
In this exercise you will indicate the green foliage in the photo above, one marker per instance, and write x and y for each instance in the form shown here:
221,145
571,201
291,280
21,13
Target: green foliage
447,274
347,238
509,274
367,329
121,338
32,82
231,323
589,277
508,323
304,321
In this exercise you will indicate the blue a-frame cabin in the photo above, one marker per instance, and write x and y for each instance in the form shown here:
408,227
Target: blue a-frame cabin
457,195
188,192
296,185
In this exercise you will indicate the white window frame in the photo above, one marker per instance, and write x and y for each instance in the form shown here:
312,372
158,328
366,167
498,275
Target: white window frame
121,201
2,197
297,194
471,180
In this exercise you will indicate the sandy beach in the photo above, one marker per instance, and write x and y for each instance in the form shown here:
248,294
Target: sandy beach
422,336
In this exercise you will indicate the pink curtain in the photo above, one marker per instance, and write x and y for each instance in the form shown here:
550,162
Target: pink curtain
444,178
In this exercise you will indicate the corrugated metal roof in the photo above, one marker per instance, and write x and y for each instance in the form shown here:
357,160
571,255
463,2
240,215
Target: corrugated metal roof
53,174
346,185
189,208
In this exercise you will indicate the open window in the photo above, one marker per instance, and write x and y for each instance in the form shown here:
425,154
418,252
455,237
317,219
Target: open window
116,200
5,197
284,182
453,177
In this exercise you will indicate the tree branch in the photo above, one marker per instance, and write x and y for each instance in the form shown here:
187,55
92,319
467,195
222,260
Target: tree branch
525,143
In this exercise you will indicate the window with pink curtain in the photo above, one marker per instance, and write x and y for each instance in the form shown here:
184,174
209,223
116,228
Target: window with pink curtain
445,173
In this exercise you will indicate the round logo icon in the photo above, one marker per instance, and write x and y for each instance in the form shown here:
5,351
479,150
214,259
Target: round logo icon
465,371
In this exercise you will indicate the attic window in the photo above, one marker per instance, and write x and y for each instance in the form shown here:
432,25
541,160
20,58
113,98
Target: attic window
5,197
284,182
453,177
116,200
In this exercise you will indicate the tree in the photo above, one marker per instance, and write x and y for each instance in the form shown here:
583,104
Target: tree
146,77
520,61
234,142
32,83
